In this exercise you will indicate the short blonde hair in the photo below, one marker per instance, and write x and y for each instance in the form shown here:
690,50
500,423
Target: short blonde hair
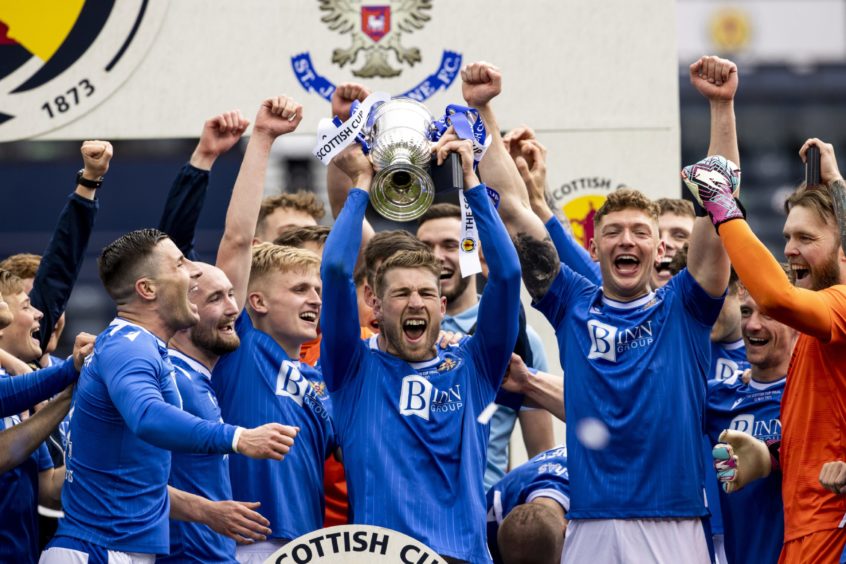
10,284
268,258
22,265
627,199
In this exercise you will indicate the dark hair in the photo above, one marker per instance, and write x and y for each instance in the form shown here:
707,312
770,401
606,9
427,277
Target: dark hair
385,244
299,236
120,262
439,211
531,533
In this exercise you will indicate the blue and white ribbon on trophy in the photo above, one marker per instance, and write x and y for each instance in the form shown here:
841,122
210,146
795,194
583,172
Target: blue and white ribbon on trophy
334,136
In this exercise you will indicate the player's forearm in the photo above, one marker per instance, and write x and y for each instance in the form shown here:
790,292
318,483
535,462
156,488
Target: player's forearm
707,260
170,428
183,206
62,262
769,286
19,393
572,253
234,254
838,196
18,442
498,309
724,132
547,391
339,314
186,506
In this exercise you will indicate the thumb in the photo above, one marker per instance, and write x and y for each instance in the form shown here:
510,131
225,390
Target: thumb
735,438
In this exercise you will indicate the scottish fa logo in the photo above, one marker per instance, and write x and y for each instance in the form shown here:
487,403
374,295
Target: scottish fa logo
60,60
377,32
468,245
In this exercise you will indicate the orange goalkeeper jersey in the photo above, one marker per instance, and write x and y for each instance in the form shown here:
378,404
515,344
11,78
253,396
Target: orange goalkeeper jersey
813,408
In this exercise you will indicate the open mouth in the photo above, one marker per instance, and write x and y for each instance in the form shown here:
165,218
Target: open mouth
310,316
799,271
446,274
35,334
756,341
374,325
627,264
414,328
663,265
227,328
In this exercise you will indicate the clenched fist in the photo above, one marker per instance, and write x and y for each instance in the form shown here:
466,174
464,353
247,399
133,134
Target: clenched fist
95,158
277,116
268,441
343,97
480,83
220,133
714,78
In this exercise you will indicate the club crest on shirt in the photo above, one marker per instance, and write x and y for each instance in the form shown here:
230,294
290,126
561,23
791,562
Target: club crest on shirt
450,362
319,388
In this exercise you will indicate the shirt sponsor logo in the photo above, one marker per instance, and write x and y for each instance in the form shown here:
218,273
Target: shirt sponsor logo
725,368
291,383
763,429
607,341
419,397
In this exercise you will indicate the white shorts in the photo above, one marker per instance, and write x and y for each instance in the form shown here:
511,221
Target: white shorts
636,541
720,549
258,552
61,555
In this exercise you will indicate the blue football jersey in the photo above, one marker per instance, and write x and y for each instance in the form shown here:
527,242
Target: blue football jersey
726,359
414,452
126,412
257,384
206,475
19,503
753,518
545,475
636,374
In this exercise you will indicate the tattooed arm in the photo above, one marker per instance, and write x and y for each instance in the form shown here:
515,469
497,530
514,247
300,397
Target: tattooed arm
481,82
838,195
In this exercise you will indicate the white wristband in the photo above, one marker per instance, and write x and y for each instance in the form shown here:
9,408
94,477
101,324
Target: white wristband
238,431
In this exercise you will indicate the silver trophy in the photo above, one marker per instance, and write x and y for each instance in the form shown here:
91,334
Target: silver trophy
400,150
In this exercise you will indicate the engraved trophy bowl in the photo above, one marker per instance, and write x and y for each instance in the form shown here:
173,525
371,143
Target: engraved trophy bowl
400,150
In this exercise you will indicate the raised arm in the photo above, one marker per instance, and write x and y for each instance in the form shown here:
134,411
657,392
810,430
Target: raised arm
481,82
499,307
62,259
19,393
338,184
18,442
339,321
717,80
188,191
276,116
530,158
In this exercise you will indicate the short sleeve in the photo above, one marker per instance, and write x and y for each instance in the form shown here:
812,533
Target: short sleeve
702,306
566,285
